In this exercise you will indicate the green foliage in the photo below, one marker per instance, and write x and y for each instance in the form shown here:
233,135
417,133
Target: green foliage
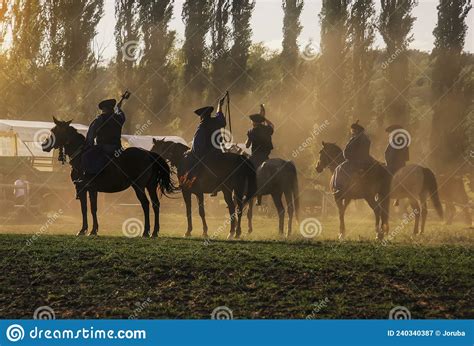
291,31
395,24
242,37
452,90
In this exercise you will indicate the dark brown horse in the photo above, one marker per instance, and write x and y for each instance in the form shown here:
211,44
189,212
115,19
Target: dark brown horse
133,167
373,185
277,177
232,174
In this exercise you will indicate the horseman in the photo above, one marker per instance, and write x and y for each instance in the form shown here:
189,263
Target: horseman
103,136
208,129
395,157
357,158
259,137
357,150
206,146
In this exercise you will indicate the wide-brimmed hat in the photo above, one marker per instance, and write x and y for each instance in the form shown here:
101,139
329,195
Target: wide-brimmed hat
392,128
257,118
204,111
357,127
107,104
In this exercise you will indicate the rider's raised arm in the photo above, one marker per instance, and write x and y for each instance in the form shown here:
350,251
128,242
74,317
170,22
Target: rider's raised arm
120,114
91,132
220,118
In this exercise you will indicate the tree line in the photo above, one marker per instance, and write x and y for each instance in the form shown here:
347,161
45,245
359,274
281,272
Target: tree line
51,64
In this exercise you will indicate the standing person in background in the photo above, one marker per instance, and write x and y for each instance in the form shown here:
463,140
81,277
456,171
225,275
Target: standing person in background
21,191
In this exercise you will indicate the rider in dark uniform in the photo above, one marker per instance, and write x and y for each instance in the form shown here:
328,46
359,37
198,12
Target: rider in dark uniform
103,136
357,155
206,141
357,150
259,138
206,136
395,158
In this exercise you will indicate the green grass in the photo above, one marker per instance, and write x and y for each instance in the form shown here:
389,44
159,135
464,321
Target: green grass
115,277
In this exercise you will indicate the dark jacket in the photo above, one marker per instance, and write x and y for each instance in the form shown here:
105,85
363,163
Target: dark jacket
260,138
206,132
357,150
396,158
106,129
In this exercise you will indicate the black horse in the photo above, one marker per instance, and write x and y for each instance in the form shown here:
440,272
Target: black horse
232,174
373,185
135,167
276,177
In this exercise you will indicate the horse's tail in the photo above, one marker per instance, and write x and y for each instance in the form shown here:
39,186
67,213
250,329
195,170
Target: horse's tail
295,189
430,185
250,177
162,171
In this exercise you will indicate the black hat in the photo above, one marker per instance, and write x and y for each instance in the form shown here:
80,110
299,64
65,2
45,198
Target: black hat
204,111
392,128
257,118
357,127
107,104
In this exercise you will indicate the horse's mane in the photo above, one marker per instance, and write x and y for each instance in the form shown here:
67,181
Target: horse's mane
72,132
178,146
330,145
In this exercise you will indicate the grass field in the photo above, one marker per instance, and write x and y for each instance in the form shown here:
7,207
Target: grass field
171,277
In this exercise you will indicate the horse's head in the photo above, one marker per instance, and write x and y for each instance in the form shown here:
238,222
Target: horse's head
59,136
165,148
330,155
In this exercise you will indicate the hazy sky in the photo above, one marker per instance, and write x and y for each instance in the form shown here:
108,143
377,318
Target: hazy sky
267,24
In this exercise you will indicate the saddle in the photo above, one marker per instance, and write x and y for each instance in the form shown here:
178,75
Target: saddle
349,174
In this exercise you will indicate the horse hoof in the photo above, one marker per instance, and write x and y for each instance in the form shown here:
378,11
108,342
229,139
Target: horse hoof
230,236
154,235
187,234
81,232
205,235
146,235
249,231
341,236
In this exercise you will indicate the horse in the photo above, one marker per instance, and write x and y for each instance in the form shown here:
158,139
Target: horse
417,184
372,186
132,167
276,177
452,192
232,174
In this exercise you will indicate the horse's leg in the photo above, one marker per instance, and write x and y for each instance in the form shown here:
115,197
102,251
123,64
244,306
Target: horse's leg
289,202
415,206
83,200
376,208
424,213
250,215
281,211
239,196
230,204
341,208
187,202
450,211
155,204
202,213
141,195
95,223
